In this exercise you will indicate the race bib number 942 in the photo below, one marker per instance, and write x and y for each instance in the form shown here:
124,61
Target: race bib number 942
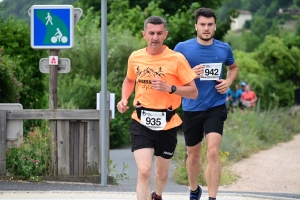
212,71
154,120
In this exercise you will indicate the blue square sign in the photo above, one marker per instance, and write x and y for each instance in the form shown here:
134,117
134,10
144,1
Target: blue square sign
52,26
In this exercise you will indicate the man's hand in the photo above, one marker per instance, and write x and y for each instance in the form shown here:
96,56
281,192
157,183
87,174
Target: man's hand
161,85
199,70
223,86
122,106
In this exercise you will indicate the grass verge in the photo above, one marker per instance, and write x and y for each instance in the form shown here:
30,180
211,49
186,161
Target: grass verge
245,133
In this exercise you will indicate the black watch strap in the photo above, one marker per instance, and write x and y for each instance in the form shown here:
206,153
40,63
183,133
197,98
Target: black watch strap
173,89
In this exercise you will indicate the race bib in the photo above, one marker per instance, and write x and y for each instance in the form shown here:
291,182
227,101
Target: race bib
212,71
154,120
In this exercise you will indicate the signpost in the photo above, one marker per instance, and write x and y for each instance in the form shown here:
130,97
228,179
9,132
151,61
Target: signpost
52,26
64,65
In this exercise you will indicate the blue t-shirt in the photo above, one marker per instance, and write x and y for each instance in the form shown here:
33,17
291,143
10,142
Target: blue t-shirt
195,53
228,92
236,94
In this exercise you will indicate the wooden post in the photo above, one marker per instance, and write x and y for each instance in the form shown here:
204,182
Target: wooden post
2,142
53,105
63,147
93,152
82,148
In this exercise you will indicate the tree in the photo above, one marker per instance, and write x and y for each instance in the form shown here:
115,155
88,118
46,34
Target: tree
171,7
179,14
10,86
260,27
281,62
19,9
15,40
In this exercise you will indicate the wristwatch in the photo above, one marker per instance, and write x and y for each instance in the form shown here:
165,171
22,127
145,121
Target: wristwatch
173,89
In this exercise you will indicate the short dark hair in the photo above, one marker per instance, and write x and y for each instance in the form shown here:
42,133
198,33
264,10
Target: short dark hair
155,20
205,12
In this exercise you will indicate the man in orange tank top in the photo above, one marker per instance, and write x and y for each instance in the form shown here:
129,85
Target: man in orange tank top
160,78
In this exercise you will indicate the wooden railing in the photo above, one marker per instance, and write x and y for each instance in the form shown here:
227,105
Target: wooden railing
75,145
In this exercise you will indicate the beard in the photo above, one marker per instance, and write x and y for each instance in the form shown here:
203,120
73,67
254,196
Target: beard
205,39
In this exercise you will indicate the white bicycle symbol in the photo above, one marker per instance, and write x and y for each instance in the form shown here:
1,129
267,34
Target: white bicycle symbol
63,39
59,37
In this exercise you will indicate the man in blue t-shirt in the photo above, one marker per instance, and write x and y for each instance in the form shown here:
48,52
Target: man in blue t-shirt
228,98
206,114
236,96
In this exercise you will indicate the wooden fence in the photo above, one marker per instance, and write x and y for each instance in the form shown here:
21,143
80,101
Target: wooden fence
75,148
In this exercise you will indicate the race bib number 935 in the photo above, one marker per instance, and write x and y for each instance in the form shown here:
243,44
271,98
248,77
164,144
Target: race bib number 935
154,120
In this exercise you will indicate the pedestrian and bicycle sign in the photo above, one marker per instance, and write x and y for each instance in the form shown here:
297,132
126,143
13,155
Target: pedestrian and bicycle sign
52,26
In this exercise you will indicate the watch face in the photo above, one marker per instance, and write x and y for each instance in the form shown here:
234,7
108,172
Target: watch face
173,88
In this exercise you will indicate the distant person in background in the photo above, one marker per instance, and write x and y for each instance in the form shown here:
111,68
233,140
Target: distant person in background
228,98
248,97
243,85
236,96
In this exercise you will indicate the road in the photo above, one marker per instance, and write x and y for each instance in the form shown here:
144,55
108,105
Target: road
125,190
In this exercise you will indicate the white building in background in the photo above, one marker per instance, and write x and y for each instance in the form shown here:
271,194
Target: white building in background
239,22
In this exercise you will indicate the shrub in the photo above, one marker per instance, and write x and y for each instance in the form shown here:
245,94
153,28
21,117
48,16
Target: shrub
10,86
32,159
15,40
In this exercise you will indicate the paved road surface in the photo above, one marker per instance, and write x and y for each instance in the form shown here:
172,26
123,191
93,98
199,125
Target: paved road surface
116,196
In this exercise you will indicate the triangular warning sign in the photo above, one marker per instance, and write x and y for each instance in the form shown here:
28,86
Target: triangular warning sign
53,60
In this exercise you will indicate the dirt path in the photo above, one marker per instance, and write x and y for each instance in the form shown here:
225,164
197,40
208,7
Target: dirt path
273,170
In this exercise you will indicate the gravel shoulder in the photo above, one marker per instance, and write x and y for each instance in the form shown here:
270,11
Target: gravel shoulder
274,170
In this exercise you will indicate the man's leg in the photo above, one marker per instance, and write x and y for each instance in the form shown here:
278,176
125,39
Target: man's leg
161,174
143,158
213,168
193,165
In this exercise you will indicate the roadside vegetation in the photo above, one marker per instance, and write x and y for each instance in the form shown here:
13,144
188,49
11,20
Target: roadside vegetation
245,133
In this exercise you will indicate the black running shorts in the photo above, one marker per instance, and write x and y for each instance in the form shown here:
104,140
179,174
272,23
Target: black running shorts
198,123
163,142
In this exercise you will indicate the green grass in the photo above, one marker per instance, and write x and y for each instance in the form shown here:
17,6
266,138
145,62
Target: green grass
245,133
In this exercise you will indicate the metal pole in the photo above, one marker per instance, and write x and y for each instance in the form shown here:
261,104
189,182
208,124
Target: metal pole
53,105
103,96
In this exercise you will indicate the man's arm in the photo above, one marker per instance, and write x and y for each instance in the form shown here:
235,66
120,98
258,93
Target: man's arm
188,90
232,72
127,88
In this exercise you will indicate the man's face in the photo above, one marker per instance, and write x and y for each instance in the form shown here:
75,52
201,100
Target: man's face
155,35
205,28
